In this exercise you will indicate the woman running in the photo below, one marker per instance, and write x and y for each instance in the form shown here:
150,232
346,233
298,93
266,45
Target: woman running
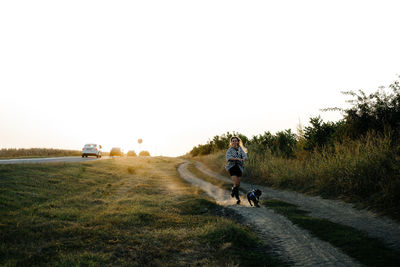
235,156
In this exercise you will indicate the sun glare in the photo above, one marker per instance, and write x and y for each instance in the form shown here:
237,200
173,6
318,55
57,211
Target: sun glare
178,73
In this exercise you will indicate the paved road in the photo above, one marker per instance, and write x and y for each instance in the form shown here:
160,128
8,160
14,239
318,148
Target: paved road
48,160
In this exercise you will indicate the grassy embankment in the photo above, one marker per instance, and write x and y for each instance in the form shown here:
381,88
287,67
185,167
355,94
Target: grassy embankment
368,251
8,153
365,172
124,211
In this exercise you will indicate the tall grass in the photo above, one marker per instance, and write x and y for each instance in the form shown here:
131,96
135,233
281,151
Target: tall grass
365,171
36,152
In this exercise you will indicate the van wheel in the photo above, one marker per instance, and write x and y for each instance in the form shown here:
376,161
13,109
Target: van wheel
83,156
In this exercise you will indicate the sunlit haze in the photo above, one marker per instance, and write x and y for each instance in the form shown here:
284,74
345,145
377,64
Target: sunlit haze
176,73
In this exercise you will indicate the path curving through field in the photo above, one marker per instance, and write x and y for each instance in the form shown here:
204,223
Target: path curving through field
382,228
294,245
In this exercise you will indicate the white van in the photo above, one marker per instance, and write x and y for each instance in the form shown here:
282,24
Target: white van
91,150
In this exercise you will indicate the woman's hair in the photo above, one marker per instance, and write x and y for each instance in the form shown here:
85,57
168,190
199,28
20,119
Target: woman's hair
240,143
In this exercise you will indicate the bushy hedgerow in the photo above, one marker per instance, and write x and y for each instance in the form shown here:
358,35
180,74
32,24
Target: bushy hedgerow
378,112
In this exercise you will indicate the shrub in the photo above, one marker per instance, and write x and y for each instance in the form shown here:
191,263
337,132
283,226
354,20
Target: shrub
322,134
131,153
144,153
379,111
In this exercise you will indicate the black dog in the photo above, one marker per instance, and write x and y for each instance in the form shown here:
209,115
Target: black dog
254,196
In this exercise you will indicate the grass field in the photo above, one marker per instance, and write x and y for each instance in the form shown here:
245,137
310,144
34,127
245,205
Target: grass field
124,211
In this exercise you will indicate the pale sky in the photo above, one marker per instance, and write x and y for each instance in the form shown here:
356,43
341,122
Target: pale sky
177,73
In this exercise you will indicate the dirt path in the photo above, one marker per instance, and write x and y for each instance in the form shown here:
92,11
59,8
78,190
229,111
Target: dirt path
293,244
381,228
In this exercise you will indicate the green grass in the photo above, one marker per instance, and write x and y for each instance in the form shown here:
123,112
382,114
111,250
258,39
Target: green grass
368,251
123,212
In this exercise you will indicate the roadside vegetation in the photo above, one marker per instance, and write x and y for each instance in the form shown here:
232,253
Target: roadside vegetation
356,159
6,153
132,211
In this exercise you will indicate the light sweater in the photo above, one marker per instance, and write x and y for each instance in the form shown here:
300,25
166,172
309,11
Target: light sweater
237,154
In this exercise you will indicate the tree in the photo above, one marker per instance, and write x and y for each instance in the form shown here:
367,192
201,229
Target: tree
379,111
320,134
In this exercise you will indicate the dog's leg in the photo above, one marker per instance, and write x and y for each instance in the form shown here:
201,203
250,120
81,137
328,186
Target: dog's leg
248,198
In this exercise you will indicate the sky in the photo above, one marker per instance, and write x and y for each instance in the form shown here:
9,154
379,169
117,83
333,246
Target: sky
177,73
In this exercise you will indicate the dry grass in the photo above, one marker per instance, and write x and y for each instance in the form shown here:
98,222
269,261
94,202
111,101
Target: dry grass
37,152
122,211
